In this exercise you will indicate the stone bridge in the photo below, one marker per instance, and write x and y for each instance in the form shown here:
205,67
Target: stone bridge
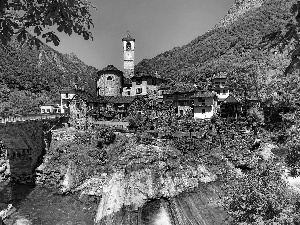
22,146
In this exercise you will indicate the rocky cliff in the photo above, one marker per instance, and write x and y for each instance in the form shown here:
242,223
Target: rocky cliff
136,183
239,8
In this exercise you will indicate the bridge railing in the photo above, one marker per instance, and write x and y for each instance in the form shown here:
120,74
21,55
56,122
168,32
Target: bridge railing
21,118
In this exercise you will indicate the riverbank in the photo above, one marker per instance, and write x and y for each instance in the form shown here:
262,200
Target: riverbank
38,205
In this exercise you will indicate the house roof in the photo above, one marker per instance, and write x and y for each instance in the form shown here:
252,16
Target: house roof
221,75
230,99
110,68
13,141
148,74
186,88
85,96
127,81
128,38
122,99
69,91
203,94
252,98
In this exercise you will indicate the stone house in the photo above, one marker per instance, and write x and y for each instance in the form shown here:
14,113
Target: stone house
109,82
142,84
205,104
230,107
181,100
119,105
85,108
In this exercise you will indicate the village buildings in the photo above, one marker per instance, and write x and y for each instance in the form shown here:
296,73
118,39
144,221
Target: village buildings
116,90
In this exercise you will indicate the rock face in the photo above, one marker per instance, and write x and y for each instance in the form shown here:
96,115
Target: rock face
196,207
139,184
239,8
133,190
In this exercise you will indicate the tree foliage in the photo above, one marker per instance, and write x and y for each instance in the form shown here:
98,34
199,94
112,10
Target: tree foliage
68,16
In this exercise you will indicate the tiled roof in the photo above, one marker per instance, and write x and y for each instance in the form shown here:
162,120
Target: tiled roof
252,98
110,68
147,74
85,96
101,99
127,81
221,75
185,88
231,99
203,94
121,99
69,91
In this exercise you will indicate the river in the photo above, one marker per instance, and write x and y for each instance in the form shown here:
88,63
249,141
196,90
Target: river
42,207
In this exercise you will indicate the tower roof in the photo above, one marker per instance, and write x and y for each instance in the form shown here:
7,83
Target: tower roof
128,38
110,68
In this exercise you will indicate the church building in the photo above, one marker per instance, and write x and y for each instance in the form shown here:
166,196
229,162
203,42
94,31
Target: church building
113,82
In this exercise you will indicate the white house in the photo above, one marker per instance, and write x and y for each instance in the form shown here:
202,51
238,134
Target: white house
50,108
65,98
205,104
220,87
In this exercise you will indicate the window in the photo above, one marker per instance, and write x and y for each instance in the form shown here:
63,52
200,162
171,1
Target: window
138,81
128,92
43,110
48,110
201,101
109,78
203,110
181,112
67,95
128,46
138,90
224,91
154,81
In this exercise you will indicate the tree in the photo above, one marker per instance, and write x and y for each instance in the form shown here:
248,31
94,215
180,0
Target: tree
261,197
17,17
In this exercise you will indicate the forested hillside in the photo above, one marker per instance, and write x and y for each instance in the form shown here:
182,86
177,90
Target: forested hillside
31,77
233,46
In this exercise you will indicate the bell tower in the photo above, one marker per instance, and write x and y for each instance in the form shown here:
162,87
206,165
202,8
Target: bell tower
128,51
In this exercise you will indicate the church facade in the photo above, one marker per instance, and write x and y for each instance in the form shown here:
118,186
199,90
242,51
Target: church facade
113,82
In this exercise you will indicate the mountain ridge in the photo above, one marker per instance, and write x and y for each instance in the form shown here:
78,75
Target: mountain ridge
34,76
228,48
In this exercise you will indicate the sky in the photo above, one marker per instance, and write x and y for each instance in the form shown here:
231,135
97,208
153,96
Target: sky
156,25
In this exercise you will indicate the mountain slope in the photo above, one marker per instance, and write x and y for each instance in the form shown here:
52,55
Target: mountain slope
31,77
231,46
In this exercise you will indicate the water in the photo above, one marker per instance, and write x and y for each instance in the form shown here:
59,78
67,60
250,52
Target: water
42,207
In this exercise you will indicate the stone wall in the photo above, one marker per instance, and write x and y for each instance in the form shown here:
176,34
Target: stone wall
78,114
109,84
